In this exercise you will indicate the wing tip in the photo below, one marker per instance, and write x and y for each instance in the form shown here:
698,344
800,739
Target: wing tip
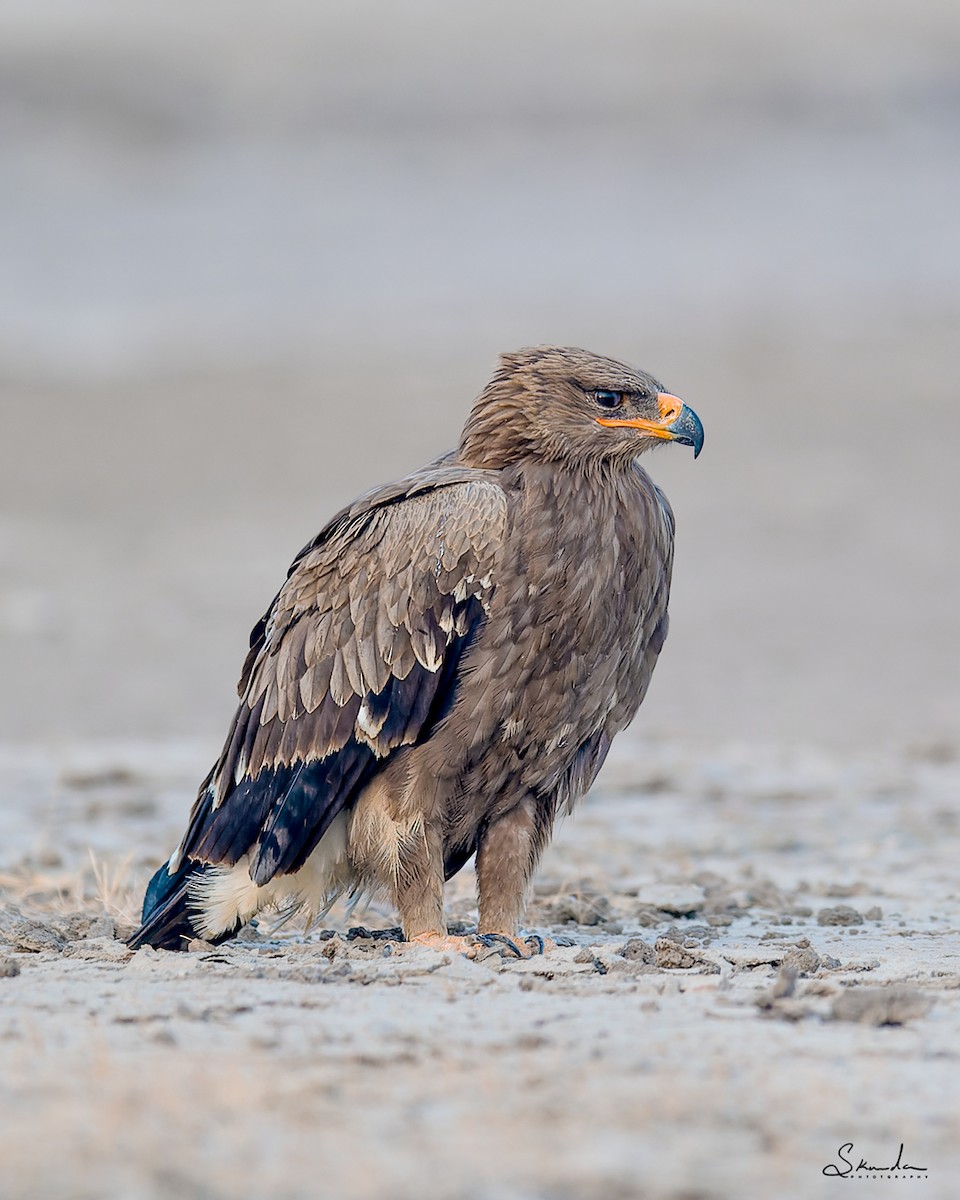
166,921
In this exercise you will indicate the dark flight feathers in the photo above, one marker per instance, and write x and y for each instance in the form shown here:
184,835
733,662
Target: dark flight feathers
357,656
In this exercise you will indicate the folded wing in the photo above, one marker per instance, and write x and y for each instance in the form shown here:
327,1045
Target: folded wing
358,655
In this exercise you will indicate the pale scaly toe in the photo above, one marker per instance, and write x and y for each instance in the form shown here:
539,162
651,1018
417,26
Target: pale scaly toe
445,943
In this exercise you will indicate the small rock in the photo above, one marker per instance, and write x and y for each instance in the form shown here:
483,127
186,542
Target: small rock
880,1006
839,914
689,935
79,925
874,914
744,958
785,983
8,968
102,927
99,928
637,950
31,935
766,894
778,998
394,934
647,916
802,958
671,956
98,950
574,909
250,935
677,899
842,890
786,1010
819,987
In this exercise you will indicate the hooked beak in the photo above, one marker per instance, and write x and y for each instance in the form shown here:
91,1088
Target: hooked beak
677,423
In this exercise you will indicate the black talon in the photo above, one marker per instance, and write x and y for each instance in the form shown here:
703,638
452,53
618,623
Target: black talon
488,939
536,941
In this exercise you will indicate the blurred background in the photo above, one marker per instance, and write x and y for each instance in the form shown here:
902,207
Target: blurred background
256,258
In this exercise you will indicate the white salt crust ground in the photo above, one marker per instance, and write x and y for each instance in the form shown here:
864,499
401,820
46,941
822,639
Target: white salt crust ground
706,1034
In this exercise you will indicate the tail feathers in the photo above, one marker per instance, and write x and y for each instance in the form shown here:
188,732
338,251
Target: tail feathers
167,920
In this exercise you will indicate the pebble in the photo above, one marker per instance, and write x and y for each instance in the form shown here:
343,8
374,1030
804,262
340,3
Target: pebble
839,914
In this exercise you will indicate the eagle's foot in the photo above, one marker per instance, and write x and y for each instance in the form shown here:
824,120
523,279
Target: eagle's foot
474,944
514,947
493,941
445,943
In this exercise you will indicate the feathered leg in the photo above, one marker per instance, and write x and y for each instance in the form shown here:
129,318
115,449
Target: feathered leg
395,849
418,883
509,849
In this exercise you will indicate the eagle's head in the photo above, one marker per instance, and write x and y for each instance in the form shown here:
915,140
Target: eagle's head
568,405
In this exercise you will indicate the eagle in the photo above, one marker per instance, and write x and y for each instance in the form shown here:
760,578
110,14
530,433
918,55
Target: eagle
445,668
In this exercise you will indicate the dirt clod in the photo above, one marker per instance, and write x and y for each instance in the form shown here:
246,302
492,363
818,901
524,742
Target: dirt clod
637,950
572,909
803,959
839,914
880,1006
32,935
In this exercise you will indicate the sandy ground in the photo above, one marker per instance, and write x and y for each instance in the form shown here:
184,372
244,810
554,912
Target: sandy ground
256,259
765,965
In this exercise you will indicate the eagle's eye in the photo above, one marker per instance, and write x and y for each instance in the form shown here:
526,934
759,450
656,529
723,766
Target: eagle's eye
608,399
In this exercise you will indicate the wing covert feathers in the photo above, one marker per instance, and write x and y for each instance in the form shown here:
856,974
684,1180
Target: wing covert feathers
356,657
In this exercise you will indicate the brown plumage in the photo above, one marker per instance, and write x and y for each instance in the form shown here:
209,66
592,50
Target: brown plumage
445,667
